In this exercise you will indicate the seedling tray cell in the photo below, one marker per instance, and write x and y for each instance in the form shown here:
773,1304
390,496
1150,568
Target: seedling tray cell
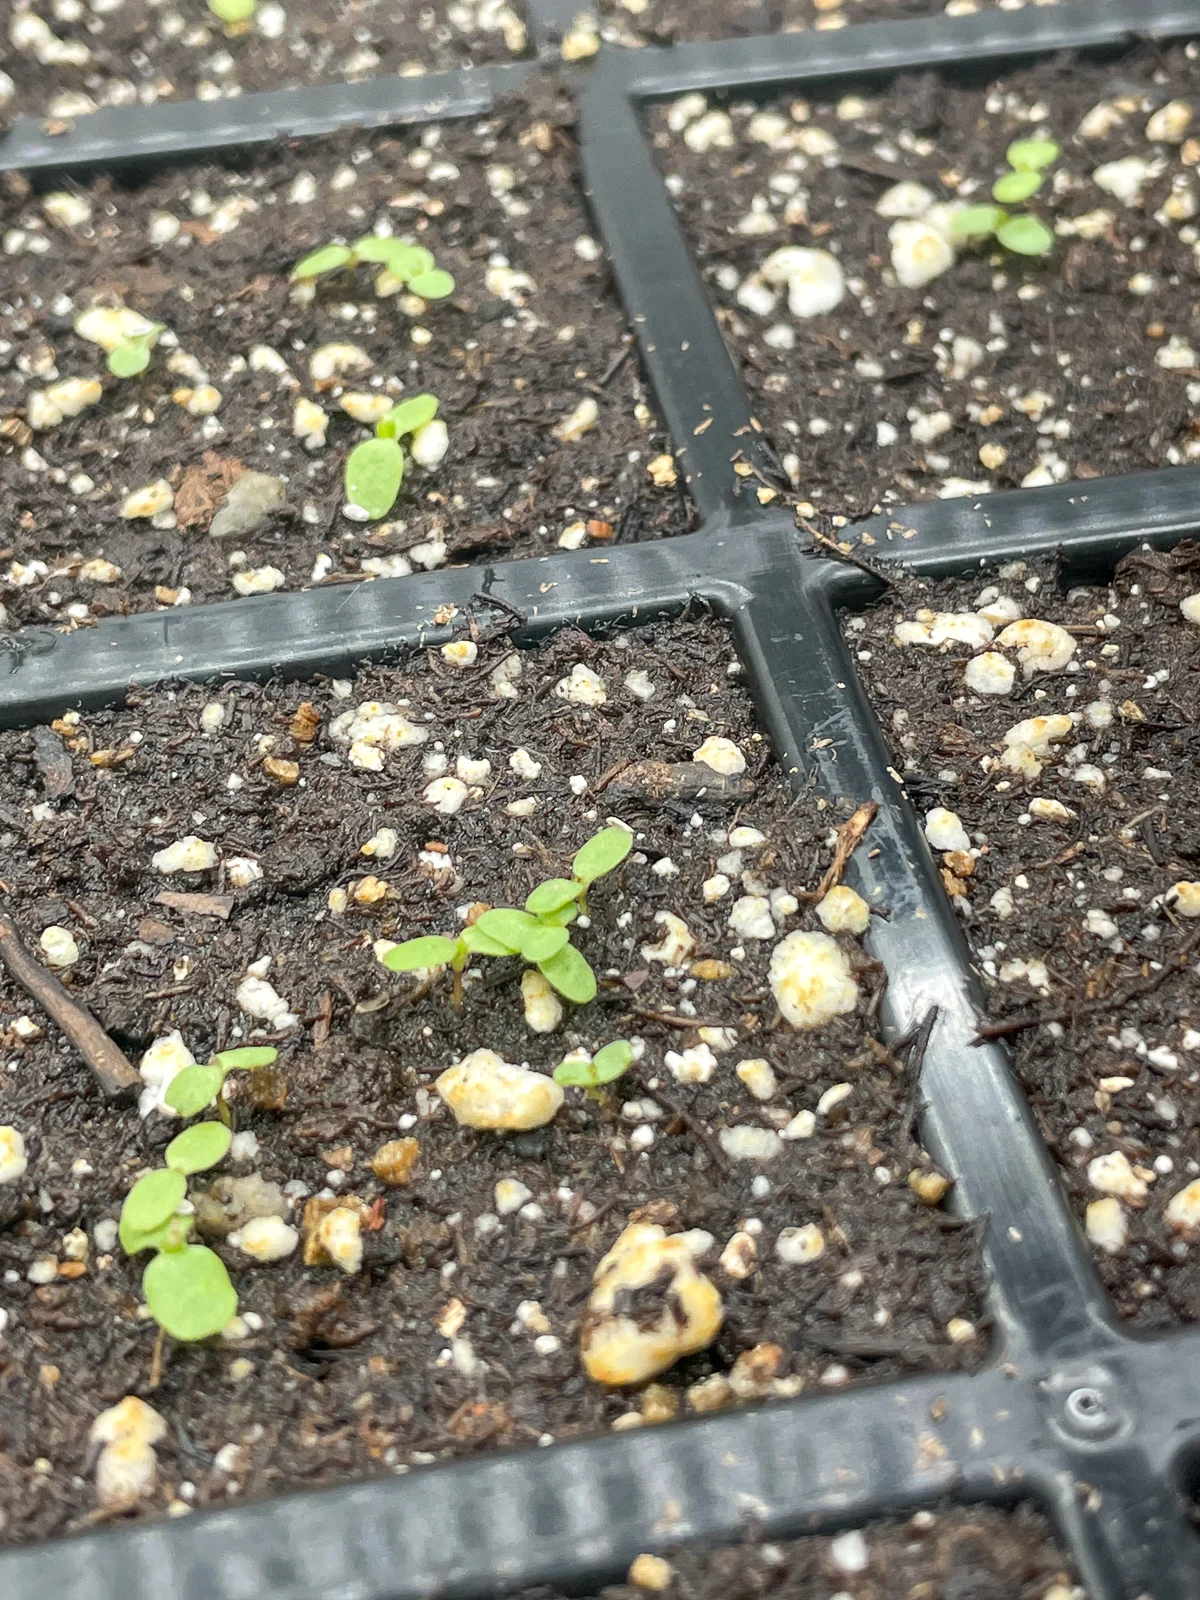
1095,1426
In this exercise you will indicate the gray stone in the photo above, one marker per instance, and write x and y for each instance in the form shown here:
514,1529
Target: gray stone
248,504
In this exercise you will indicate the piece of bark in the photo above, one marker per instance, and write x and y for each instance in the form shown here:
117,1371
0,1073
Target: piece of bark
200,905
657,783
54,764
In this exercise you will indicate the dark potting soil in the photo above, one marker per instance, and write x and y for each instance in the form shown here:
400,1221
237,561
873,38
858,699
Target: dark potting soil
337,1375
664,22
507,371
1111,1062
1002,371
66,60
979,1551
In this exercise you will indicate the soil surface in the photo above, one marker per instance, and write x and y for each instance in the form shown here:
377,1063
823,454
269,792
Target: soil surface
336,1375
1112,1064
661,22
137,53
980,1552
507,371
1004,370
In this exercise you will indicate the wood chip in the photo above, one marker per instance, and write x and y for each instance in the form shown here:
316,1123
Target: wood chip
199,905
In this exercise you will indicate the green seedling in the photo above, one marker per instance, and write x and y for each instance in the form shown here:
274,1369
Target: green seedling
604,1067
233,12
408,266
194,1089
375,469
130,359
559,900
538,934
1023,234
186,1285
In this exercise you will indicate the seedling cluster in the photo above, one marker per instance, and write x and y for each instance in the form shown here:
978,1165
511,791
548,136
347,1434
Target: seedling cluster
404,265
1022,233
186,1285
538,934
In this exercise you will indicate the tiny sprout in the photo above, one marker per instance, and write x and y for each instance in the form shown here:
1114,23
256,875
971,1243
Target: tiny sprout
606,1065
1023,234
129,359
375,469
186,1285
194,1089
231,12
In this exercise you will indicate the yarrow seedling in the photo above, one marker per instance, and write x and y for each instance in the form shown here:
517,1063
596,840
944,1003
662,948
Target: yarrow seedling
605,1066
133,357
186,1285
538,934
1024,234
375,469
404,265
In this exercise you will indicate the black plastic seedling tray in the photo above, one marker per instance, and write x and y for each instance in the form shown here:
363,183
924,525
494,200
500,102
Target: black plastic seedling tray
1098,1427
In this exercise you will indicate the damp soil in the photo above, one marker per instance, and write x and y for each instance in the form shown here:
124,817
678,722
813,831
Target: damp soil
666,22
1120,998
344,1375
141,53
1065,381
506,374
979,1551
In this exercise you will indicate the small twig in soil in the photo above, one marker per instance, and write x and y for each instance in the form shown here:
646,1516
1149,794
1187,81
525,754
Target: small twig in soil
615,365
156,1359
917,1042
1007,1026
670,1020
109,1064
835,549
849,837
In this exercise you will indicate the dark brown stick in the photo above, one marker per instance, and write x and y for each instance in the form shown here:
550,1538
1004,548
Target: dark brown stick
115,1074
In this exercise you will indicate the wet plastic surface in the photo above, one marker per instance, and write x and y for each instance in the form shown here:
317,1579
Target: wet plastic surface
1100,1428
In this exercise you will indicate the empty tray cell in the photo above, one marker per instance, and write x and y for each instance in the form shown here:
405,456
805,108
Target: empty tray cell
68,59
935,1555
218,471
893,358
640,22
1059,794
764,1163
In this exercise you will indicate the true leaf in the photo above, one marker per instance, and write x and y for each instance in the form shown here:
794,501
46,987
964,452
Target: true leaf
247,1058
612,1061
329,258
481,944
153,1199
508,928
1031,155
432,951
189,1292
1026,236
570,975
975,222
540,943
127,360
553,895
1014,186
576,1075
432,285
374,473
408,416
199,1147
604,851
194,1089
170,1235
